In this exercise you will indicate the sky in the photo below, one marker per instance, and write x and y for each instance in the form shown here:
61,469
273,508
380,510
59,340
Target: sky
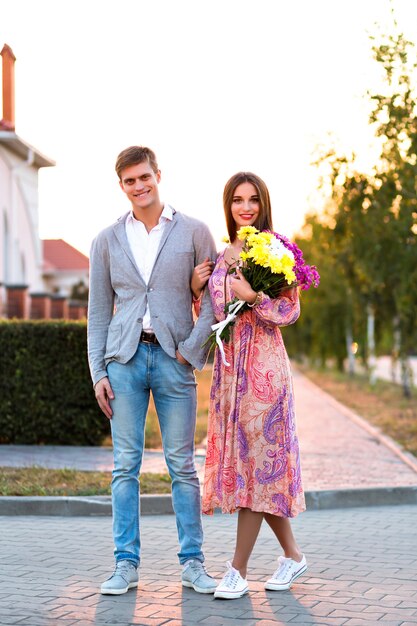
212,87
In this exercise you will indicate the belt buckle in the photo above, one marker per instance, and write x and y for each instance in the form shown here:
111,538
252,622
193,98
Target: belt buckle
147,337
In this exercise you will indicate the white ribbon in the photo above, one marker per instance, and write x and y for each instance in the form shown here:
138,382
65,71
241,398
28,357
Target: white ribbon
233,311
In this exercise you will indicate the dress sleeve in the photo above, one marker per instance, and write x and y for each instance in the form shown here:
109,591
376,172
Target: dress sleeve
217,289
197,303
218,304
281,311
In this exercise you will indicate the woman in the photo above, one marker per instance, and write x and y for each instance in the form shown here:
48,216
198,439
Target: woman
252,463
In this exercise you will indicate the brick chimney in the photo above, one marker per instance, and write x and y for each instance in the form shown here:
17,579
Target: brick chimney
7,123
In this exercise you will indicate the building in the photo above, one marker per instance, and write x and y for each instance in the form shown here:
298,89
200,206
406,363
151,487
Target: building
24,270
64,267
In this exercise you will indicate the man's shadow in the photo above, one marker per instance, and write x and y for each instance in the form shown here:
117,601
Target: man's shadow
122,607
196,607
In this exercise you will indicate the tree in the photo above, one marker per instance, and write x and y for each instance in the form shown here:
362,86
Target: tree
395,119
79,291
370,240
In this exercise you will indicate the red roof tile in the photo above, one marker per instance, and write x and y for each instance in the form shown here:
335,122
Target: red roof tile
59,255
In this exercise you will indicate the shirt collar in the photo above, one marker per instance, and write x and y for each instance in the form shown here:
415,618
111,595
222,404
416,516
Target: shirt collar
167,214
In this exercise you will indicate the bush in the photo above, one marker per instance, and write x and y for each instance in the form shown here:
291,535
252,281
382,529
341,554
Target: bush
46,394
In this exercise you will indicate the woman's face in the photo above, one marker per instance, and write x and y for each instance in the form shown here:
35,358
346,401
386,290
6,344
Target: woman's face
245,205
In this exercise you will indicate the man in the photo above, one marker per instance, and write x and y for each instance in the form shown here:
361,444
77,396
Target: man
142,338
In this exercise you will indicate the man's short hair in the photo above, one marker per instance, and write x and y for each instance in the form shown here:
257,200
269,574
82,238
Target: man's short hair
133,156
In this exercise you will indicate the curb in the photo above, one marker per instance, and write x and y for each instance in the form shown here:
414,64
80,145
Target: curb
75,506
352,498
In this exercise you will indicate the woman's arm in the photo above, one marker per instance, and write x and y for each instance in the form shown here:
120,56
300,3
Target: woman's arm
281,311
200,276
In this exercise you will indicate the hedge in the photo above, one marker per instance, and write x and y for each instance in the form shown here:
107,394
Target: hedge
46,394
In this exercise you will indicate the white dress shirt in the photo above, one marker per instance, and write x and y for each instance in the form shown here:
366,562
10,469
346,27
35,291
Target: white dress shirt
145,247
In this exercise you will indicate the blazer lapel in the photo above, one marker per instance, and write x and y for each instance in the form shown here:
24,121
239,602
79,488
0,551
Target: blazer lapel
167,230
120,232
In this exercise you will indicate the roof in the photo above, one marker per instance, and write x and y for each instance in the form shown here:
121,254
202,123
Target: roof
24,150
59,255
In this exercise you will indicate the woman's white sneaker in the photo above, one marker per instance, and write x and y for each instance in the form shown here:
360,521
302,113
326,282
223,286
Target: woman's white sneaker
232,585
288,570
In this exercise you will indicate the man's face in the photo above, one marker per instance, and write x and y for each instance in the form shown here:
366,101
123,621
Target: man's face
140,184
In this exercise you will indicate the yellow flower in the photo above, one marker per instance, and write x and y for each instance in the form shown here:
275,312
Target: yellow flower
245,231
265,238
225,240
282,265
290,277
260,254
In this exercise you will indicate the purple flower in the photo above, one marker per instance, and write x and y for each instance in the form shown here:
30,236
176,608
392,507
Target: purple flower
307,275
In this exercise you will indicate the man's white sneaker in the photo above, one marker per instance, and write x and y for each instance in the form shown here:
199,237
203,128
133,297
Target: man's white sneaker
232,585
124,577
288,570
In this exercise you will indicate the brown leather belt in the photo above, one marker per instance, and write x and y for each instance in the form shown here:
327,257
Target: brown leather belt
148,338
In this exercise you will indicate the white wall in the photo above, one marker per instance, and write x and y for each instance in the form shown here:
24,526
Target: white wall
21,250
62,282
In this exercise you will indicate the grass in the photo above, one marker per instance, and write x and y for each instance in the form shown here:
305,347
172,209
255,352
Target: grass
38,481
382,405
152,432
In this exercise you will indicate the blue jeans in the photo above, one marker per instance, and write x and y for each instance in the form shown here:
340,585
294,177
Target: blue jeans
173,388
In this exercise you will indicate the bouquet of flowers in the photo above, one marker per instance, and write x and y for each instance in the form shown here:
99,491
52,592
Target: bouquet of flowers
271,263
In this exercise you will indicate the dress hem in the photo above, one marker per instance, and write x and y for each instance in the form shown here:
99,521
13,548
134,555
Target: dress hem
294,513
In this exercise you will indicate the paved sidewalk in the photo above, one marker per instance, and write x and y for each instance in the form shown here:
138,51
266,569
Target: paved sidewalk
362,570
341,450
338,449
89,458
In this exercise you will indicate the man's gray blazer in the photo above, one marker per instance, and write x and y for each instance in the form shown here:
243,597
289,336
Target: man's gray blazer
118,295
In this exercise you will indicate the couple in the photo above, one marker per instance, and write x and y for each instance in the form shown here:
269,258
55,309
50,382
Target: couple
147,271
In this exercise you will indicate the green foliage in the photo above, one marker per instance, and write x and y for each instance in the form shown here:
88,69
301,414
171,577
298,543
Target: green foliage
365,243
320,331
79,292
46,391
395,192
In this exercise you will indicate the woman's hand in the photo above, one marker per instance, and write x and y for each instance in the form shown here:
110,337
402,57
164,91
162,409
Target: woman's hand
241,288
200,276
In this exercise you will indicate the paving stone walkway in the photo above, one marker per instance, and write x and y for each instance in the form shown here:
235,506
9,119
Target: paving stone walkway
362,561
362,571
341,450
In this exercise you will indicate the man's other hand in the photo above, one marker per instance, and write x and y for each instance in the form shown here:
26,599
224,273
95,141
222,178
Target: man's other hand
181,359
104,394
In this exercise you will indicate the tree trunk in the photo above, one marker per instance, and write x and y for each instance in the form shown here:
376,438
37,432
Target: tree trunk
406,375
395,348
371,344
400,352
349,350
